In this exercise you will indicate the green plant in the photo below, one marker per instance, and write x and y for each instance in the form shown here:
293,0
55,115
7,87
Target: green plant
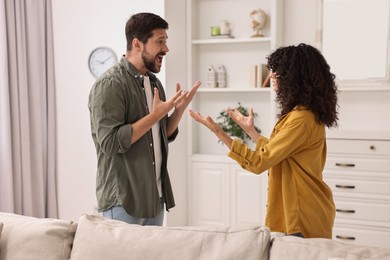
232,128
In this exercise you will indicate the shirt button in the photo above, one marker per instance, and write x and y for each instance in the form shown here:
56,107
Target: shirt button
151,144
153,163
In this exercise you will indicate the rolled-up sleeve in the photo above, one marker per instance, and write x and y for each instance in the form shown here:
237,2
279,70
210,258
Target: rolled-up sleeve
248,159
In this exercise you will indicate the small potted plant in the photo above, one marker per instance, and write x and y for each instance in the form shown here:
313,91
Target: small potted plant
232,128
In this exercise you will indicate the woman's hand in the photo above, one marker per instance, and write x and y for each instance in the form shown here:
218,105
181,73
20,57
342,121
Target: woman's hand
247,123
213,126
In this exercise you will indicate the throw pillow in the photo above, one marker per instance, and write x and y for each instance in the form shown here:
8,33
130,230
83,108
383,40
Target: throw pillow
32,238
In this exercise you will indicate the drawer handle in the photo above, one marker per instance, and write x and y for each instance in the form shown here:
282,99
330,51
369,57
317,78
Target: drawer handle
345,164
345,186
345,210
346,238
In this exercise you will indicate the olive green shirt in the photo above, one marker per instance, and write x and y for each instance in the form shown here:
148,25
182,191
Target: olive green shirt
125,172
298,198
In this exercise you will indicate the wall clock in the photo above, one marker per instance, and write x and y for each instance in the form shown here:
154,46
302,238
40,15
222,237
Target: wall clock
100,60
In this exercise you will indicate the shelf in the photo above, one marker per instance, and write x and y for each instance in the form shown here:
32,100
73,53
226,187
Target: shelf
363,85
362,89
241,90
231,40
357,134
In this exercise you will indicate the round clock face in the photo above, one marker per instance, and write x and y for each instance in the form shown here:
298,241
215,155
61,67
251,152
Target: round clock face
100,60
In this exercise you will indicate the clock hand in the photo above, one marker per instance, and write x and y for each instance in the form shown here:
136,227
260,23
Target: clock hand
105,60
100,62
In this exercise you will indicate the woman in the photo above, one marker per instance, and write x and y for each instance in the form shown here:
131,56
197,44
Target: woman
299,202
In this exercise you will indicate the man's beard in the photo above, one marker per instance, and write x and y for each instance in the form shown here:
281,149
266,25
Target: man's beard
150,63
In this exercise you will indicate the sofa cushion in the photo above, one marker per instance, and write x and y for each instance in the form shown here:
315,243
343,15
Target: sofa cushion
35,238
289,247
99,238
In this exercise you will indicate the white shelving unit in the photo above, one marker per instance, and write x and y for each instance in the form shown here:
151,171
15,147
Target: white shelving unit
230,190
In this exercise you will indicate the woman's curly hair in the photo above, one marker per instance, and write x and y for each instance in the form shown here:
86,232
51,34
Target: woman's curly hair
303,78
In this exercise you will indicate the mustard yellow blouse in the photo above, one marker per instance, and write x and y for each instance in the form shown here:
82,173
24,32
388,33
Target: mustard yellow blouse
295,154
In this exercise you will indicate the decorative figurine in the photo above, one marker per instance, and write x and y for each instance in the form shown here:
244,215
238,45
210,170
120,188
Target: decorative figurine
259,20
221,81
211,77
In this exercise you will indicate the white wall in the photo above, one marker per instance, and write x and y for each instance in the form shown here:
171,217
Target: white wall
176,73
359,110
80,26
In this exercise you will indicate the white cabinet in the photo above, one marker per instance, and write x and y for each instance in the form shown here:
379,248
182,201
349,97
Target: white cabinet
225,194
221,192
358,172
210,200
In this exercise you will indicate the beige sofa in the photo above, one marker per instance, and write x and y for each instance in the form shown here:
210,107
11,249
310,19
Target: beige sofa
93,237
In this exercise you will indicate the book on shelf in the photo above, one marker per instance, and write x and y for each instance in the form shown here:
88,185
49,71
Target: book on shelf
259,76
267,81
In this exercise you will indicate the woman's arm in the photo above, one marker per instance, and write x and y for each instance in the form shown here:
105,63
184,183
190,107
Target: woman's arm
213,126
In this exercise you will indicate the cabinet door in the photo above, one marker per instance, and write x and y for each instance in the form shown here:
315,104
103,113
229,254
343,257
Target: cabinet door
248,193
210,194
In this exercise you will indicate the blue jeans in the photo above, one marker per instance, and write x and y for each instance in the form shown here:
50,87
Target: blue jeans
296,235
119,213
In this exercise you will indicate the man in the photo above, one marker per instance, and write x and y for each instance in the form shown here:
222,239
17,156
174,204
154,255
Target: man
131,127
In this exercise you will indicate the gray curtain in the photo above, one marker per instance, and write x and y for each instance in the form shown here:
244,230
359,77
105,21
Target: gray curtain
27,109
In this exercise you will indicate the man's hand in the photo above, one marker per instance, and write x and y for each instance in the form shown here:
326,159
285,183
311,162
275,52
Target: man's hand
183,103
161,108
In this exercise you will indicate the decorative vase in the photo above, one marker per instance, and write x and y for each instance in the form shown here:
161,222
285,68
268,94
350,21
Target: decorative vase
225,28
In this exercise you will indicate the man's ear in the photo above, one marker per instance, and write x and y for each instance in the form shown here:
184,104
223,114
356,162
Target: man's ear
137,44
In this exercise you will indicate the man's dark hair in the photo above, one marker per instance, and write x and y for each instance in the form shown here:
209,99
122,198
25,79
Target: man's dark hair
303,78
141,26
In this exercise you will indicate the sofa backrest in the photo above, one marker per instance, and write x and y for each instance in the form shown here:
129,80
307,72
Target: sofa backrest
97,238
